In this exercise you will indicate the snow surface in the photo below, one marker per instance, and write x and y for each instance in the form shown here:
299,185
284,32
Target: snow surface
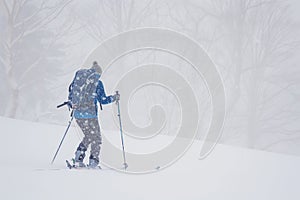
228,173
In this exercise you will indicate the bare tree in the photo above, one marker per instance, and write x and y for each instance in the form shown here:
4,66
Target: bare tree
252,42
113,16
270,85
26,46
259,41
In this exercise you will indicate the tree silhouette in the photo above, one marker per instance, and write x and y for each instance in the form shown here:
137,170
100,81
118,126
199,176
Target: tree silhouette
259,39
252,42
30,53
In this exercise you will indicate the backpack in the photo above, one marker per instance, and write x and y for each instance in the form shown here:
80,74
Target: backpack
82,91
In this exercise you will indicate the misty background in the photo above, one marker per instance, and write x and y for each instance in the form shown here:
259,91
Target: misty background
254,44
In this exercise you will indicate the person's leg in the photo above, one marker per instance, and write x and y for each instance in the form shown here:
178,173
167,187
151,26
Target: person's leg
96,138
86,127
82,147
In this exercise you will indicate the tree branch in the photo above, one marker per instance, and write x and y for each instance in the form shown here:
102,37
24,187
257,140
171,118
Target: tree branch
6,7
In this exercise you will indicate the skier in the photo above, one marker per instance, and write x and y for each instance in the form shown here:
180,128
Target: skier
85,91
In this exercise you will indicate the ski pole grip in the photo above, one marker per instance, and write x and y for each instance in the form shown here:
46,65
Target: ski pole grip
118,96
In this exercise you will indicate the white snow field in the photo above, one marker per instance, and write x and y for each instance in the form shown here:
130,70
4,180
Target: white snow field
228,173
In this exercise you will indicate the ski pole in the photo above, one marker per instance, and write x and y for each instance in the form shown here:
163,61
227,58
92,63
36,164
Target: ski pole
63,138
63,104
121,132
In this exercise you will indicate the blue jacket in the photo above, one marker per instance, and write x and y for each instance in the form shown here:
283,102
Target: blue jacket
92,110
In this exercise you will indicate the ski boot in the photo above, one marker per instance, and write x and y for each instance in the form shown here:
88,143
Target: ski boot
93,162
78,161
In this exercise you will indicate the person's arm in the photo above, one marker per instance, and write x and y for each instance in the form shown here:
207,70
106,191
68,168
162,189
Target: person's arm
101,96
70,89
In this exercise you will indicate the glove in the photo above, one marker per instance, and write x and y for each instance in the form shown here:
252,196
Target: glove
71,106
117,97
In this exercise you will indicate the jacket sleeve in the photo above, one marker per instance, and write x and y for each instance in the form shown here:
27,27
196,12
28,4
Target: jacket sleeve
101,96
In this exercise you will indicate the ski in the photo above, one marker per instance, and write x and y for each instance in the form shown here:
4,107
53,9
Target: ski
69,165
73,166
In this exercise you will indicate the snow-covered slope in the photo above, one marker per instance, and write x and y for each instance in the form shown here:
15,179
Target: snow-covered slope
228,173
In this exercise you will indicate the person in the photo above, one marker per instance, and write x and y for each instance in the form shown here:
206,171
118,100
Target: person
85,91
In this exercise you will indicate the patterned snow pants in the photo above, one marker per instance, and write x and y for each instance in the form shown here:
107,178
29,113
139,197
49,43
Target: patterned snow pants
92,136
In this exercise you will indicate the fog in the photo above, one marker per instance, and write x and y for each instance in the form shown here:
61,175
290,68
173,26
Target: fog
253,43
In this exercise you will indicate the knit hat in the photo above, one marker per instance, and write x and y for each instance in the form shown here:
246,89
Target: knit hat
96,67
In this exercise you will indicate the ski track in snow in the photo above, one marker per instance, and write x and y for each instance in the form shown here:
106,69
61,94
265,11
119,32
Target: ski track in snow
228,173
